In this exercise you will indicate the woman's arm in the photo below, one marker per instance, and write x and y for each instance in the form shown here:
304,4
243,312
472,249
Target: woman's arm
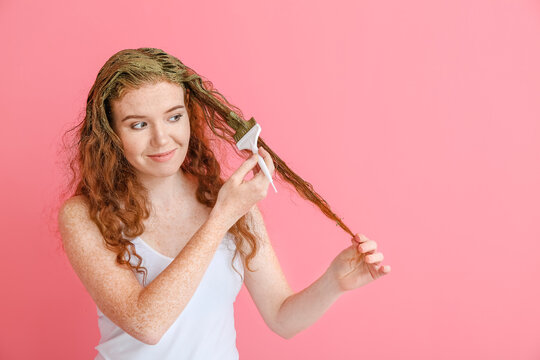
301,310
144,313
284,312
288,313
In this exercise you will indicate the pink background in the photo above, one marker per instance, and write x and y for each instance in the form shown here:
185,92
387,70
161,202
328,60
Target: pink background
418,121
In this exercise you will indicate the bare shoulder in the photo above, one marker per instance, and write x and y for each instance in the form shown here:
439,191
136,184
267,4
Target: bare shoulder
76,200
114,288
73,212
73,217
74,206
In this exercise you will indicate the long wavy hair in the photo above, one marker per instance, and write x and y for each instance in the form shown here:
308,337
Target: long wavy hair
118,202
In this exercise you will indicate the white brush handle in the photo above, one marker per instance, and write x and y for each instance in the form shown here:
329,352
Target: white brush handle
249,142
265,170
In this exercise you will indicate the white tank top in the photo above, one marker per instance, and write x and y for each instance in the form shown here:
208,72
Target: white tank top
205,328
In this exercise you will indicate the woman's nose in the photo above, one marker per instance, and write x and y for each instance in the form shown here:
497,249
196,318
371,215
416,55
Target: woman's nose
159,136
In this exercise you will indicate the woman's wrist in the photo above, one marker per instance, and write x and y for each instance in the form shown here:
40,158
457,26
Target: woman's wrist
218,219
333,282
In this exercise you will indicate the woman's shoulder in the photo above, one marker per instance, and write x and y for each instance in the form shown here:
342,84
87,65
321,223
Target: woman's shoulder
74,222
75,206
75,201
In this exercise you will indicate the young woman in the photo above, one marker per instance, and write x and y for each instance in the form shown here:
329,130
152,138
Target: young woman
154,232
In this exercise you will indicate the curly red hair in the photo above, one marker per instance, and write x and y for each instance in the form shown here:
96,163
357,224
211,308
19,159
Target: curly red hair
117,201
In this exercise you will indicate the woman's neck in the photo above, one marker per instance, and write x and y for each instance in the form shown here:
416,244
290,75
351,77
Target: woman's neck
174,189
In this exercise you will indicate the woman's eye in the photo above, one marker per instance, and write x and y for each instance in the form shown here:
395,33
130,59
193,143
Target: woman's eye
136,125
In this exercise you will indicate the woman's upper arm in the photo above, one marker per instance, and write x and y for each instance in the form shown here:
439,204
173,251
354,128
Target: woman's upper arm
267,285
114,288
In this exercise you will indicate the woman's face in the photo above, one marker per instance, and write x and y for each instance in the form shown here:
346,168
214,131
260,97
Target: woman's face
153,120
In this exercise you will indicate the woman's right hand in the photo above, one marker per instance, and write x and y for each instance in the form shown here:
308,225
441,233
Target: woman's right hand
236,197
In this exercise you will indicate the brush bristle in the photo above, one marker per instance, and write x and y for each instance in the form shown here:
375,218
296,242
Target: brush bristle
244,128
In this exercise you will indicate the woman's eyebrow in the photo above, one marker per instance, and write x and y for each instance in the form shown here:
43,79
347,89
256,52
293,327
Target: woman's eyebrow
142,116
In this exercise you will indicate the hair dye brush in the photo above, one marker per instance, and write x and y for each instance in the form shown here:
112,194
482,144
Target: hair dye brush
246,137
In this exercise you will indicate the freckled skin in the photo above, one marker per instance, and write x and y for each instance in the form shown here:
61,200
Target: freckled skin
179,226
190,233
145,313
165,297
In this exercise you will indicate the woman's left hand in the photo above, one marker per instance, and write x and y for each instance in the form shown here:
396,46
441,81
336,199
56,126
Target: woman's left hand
358,264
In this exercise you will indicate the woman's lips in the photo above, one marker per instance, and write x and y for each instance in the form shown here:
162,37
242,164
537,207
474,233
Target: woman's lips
162,157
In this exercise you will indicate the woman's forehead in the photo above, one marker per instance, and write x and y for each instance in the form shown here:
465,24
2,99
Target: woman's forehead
150,96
